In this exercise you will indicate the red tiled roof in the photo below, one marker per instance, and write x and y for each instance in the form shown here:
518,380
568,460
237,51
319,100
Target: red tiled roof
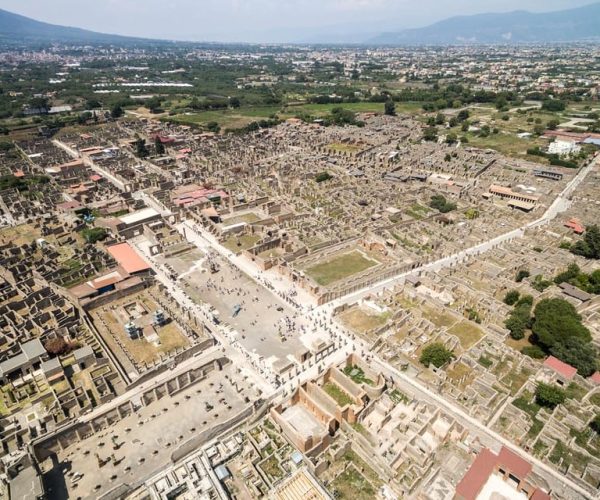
540,495
19,173
595,378
96,177
513,463
477,475
128,258
560,367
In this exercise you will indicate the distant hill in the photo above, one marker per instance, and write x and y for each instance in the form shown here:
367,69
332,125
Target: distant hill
578,24
15,28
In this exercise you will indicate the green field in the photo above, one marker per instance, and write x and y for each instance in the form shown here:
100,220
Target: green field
226,118
340,267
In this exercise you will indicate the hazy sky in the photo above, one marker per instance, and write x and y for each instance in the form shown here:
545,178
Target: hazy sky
260,20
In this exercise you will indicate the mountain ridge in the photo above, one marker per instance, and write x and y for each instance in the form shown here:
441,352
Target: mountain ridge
520,26
15,27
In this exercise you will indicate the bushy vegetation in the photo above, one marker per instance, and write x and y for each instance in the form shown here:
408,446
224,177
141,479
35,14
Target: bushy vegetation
435,354
440,203
573,275
94,234
589,246
521,275
323,176
520,317
549,396
511,297
558,330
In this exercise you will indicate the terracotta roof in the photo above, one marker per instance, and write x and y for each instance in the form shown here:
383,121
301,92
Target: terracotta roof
128,258
540,495
595,378
96,177
560,367
514,463
477,475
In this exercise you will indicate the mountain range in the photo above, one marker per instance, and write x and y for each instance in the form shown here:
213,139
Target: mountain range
571,25
17,28
579,24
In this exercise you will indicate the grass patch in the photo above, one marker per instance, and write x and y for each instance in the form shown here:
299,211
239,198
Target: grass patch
438,317
574,391
485,362
248,218
417,211
340,267
237,244
525,402
399,397
467,333
353,485
226,118
341,397
515,380
357,375
359,321
461,375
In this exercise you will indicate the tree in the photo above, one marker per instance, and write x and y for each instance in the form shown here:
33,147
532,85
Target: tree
390,108
213,127
451,138
511,297
552,124
435,354
556,321
533,351
430,134
519,319
234,102
463,115
589,247
521,275
595,423
57,345
441,204
116,111
440,119
159,146
549,396
323,176
577,353
140,148
553,105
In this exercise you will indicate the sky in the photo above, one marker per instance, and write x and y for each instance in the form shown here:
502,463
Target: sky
263,20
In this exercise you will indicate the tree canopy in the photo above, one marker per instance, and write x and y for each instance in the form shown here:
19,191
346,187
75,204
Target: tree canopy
549,396
589,246
435,354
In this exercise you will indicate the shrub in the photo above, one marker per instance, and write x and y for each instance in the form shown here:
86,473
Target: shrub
435,354
511,297
549,396
521,275
533,351
323,176
92,235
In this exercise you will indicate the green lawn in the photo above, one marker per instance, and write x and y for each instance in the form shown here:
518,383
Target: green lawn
226,118
341,397
340,267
